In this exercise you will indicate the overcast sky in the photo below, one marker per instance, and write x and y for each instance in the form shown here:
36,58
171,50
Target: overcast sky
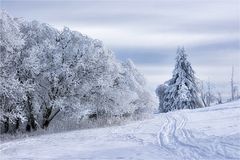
149,32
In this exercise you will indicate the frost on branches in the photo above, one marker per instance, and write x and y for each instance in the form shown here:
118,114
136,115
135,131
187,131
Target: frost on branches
56,76
181,91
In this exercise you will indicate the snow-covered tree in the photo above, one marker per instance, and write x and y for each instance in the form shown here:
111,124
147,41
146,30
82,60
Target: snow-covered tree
11,105
64,74
11,91
219,98
234,87
160,92
207,93
181,91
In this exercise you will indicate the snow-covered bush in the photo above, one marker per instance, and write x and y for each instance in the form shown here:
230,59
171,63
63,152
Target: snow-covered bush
181,91
64,75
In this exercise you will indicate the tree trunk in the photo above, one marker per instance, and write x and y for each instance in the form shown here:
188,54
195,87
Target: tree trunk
17,124
31,124
6,125
204,103
48,117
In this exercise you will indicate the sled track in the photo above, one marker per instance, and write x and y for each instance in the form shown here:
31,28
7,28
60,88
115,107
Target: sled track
185,144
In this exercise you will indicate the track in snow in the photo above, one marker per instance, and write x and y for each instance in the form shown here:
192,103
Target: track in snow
181,142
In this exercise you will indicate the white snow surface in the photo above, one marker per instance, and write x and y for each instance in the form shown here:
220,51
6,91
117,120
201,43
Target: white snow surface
211,133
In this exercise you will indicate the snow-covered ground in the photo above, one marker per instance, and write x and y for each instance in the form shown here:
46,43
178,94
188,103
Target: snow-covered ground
203,134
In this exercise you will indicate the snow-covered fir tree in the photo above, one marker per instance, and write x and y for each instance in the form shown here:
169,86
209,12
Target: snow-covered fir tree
181,91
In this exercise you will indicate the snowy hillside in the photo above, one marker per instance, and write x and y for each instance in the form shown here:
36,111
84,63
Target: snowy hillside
202,134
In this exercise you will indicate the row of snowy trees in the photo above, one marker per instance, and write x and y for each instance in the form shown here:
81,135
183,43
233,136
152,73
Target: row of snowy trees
47,75
210,94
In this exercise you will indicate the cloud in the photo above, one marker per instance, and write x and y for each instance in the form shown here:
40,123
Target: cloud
149,31
127,37
138,22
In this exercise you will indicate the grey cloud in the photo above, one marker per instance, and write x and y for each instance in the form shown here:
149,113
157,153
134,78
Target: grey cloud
186,18
214,53
146,55
147,13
